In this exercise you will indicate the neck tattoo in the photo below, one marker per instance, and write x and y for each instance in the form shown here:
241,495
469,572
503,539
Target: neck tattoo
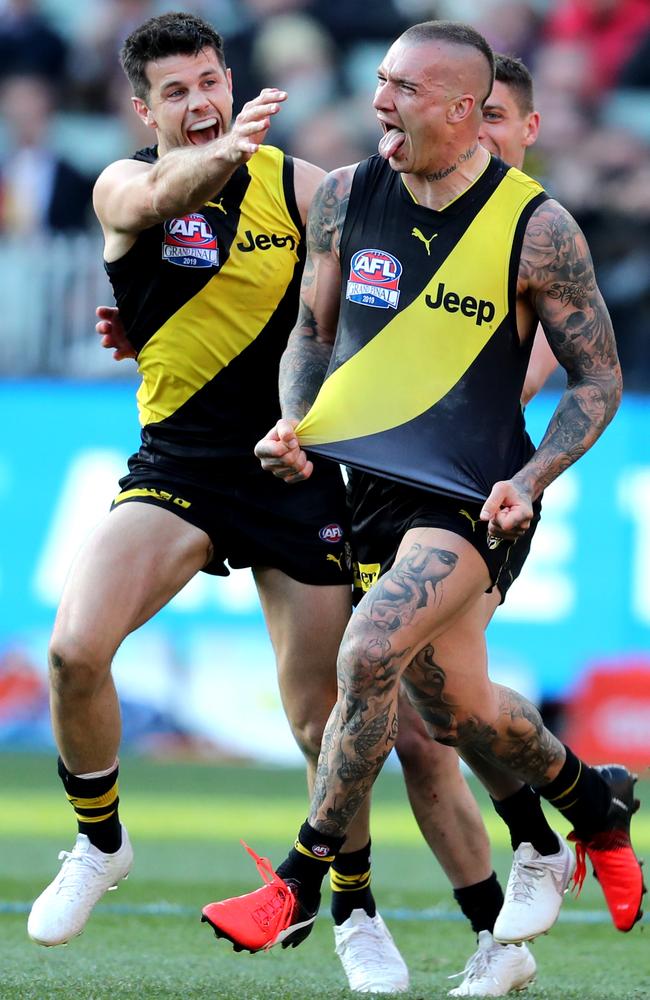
468,154
439,175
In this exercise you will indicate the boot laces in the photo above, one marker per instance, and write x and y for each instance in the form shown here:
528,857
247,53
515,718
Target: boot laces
76,867
580,872
280,908
477,966
365,946
524,876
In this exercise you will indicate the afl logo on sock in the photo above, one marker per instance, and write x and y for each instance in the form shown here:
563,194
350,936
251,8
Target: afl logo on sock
190,242
320,850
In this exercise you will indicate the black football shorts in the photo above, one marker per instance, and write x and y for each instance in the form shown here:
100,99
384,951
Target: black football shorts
382,511
252,518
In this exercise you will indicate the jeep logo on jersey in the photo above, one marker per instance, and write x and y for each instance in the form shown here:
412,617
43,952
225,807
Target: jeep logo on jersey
482,309
264,242
374,279
331,533
190,242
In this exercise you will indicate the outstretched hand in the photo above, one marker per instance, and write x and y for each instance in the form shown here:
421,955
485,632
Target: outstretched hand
508,510
112,332
280,453
252,123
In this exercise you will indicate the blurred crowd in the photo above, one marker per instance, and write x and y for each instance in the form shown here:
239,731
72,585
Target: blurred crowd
66,113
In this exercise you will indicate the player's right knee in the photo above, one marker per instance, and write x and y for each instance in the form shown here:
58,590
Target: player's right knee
360,663
412,745
308,734
74,664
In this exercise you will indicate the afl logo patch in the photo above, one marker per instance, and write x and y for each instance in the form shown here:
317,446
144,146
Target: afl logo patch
320,850
374,279
331,533
190,242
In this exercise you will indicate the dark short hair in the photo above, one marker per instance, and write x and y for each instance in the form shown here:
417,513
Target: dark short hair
454,33
170,34
516,75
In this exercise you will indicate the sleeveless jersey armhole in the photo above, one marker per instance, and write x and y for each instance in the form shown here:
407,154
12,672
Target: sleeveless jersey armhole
515,253
354,205
289,191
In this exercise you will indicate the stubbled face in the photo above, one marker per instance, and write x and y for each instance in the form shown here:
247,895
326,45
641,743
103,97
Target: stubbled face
506,131
190,99
414,85
426,90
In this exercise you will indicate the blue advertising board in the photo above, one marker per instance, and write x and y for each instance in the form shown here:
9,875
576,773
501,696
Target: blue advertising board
584,594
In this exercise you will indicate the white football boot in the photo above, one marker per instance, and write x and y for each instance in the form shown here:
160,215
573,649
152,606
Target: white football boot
369,955
534,893
63,908
495,969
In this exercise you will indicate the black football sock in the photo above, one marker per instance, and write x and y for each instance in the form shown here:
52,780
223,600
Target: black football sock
350,882
95,802
580,793
522,813
481,903
309,861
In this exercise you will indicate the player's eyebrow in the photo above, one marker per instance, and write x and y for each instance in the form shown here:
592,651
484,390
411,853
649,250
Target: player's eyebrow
404,80
183,83
493,106
396,79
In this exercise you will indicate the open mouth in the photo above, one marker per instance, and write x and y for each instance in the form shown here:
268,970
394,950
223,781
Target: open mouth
204,131
392,140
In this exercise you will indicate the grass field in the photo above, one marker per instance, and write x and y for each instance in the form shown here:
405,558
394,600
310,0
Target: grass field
185,820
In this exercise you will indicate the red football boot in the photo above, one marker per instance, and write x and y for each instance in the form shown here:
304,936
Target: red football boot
261,919
610,851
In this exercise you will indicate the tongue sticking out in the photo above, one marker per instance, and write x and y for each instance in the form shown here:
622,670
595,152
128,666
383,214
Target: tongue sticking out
390,143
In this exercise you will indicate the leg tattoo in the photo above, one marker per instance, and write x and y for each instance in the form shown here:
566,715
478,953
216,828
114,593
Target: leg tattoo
516,741
363,725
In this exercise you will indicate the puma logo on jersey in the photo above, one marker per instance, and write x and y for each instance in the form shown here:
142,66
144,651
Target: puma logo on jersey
469,517
451,302
217,204
332,558
420,236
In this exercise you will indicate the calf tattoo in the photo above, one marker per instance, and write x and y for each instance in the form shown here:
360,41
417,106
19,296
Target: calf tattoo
521,743
516,740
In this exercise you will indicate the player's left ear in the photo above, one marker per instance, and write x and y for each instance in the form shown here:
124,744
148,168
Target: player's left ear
532,128
460,109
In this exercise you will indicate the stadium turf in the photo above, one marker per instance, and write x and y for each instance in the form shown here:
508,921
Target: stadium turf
145,940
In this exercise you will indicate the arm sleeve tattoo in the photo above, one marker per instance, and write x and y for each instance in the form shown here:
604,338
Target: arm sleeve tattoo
306,358
557,269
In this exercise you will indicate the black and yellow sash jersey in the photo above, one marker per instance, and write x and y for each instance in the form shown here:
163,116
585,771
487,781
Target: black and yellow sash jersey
208,301
427,369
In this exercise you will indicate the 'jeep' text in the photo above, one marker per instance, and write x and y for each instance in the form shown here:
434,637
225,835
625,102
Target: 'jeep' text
451,302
